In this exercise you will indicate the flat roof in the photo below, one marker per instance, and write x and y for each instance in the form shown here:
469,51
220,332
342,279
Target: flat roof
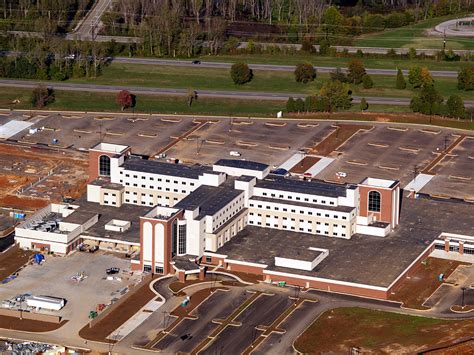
303,204
161,168
242,164
379,182
126,212
362,259
106,184
320,188
79,216
209,199
110,147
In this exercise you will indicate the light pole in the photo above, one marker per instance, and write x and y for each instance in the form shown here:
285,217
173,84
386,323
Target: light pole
462,298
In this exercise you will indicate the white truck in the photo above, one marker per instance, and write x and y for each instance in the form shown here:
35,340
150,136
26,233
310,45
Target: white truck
235,153
46,302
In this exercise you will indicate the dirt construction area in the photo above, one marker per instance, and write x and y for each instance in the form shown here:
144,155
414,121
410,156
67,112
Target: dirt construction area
53,278
31,177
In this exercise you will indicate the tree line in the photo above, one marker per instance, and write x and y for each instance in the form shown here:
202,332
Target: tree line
45,16
173,27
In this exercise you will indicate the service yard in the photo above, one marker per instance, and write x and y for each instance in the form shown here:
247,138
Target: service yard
53,278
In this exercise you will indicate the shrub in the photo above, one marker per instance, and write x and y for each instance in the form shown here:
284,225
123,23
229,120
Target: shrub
367,82
455,106
241,73
401,83
42,96
304,72
466,79
355,71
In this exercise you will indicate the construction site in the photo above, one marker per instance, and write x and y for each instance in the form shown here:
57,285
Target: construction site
32,176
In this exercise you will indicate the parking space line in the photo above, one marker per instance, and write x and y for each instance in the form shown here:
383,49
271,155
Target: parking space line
273,328
228,321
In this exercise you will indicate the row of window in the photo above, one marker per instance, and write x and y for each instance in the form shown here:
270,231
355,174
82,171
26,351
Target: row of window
151,178
297,198
301,229
294,220
309,213
153,187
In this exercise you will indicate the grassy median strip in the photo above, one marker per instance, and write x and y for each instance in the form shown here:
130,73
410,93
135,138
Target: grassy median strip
373,63
201,78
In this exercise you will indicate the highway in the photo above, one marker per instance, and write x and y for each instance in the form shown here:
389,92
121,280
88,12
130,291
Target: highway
270,67
354,49
253,95
89,24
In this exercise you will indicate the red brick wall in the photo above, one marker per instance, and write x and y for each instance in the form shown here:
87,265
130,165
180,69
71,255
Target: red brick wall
331,287
168,225
245,268
385,214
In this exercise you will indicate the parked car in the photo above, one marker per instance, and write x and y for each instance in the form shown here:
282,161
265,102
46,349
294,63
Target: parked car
196,62
112,271
94,249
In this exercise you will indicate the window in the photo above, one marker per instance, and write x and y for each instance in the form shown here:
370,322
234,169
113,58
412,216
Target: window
182,239
374,201
104,165
208,259
159,269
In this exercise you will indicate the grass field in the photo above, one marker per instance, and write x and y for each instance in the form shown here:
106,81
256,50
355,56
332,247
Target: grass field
414,36
84,101
373,63
381,332
265,81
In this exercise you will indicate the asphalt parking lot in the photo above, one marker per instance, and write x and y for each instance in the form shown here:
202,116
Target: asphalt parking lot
455,173
53,278
191,332
387,152
263,311
146,134
257,140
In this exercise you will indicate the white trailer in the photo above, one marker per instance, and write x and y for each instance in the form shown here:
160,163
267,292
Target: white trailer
46,302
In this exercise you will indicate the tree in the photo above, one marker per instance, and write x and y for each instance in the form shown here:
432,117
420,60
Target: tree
338,75
466,79
290,105
304,72
355,71
337,94
324,47
124,99
307,45
192,95
299,105
401,83
367,82
42,96
428,101
455,106
420,76
363,104
333,20
241,73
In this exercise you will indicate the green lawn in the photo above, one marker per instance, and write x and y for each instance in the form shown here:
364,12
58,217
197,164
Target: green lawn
373,63
376,331
414,36
84,101
265,81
